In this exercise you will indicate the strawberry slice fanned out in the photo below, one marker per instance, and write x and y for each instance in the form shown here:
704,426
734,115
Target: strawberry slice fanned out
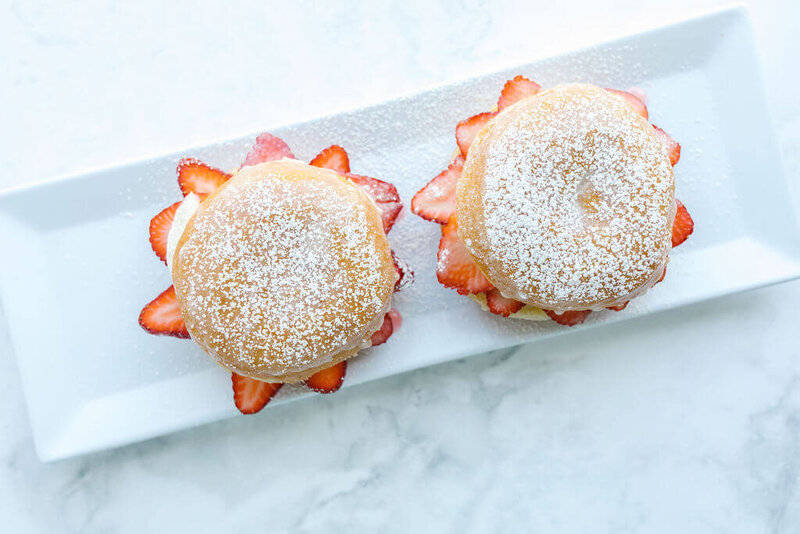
163,316
334,158
397,319
383,194
267,148
515,90
568,318
251,395
196,177
455,268
633,101
619,307
437,200
672,146
405,275
383,333
328,380
469,128
682,226
500,305
159,230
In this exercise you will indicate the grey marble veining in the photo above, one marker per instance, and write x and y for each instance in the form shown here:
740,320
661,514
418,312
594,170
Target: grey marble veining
688,421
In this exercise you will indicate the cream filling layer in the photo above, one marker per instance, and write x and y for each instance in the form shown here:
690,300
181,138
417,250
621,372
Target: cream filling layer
183,215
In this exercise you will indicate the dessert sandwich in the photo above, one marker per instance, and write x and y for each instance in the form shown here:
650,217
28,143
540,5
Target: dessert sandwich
558,203
281,270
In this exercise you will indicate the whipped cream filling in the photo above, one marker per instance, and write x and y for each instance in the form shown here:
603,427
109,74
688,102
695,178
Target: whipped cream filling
528,312
183,215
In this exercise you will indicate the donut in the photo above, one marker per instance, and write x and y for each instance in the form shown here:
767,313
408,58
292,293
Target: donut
283,271
566,200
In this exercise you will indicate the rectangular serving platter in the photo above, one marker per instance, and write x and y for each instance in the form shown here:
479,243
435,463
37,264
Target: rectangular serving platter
77,266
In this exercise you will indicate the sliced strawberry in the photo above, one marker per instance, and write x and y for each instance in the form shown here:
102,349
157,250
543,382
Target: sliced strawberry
500,305
334,158
267,148
328,380
437,200
251,395
569,318
163,316
455,267
385,196
672,146
633,101
683,226
469,128
194,176
397,319
619,307
159,230
405,276
383,333
515,90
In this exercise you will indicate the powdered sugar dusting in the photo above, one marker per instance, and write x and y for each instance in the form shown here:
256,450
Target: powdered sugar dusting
285,273
577,200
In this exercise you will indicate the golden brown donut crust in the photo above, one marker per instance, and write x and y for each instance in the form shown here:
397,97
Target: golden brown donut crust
283,271
566,200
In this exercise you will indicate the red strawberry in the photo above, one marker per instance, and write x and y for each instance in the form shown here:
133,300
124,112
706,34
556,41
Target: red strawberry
163,316
397,319
672,146
251,395
569,318
383,333
404,272
619,307
334,158
328,380
515,90
267,148
385,196
469,128
194,176
683,226
455,267
159,229
500,305
437,200
633,101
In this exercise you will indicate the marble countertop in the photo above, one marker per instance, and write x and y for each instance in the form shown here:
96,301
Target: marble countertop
686,421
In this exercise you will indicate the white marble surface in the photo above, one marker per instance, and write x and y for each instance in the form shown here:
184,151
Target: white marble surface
684,422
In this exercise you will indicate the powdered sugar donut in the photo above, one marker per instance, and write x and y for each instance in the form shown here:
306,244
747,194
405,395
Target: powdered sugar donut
566,200
283,271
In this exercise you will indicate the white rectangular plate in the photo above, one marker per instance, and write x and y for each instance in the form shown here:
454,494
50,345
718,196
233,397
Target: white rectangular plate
77,266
